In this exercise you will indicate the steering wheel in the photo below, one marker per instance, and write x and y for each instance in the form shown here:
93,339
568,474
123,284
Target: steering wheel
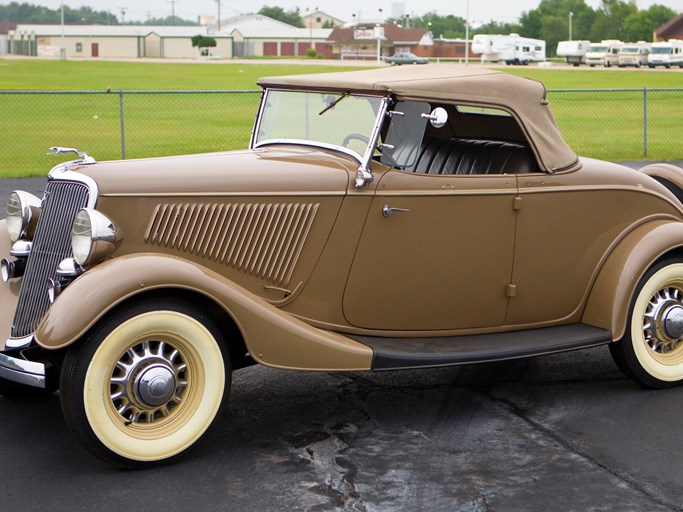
356,136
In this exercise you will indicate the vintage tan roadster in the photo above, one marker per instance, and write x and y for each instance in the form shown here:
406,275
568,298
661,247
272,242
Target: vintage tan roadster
410,217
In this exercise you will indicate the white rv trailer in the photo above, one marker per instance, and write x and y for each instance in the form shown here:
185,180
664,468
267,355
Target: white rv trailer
511,49
573,51
666,53
604,53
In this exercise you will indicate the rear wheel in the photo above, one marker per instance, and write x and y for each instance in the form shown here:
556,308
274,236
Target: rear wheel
146,383
651,351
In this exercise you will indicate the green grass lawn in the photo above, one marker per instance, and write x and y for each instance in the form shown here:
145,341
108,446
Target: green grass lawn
602,125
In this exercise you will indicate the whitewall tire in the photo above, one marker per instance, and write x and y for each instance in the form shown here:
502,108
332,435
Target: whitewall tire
146,383
651,352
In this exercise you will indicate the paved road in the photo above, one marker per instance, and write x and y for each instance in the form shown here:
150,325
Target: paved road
561,433
564,433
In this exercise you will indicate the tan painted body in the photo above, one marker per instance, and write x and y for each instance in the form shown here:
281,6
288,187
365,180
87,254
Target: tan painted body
360,272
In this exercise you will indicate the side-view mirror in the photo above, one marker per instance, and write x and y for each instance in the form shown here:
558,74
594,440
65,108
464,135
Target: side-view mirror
438,117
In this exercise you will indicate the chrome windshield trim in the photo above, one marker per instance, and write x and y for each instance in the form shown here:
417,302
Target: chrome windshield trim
259,115
22,371
61,172
313,144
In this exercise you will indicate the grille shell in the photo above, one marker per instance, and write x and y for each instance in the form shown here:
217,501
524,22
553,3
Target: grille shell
51,244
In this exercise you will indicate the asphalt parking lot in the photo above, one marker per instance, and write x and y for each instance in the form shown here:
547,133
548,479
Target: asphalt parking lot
564,433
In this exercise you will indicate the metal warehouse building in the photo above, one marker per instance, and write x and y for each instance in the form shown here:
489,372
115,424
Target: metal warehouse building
120,41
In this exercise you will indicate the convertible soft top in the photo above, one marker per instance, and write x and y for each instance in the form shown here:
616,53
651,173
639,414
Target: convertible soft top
523,97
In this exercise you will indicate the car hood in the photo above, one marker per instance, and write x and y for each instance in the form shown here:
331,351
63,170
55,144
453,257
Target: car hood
273,170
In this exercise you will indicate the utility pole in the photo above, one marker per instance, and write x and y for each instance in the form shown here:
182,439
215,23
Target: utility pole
218,28
123,13
173,2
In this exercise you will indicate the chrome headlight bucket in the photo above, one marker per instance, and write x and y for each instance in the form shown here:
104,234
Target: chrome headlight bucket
23,210
94,237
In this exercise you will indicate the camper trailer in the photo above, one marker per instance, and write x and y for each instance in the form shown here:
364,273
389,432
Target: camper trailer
604,53
634,54
573,51
667,53
511,49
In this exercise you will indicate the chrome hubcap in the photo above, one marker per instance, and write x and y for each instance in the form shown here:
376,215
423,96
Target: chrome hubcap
148,382
663,321
155,385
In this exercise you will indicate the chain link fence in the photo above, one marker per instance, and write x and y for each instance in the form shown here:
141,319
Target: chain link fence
610,124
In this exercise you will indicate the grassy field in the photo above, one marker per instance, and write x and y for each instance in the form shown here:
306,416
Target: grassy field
602,125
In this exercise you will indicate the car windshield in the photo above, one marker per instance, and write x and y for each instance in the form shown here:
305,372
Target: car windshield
661,50
597,48
323,119
630,49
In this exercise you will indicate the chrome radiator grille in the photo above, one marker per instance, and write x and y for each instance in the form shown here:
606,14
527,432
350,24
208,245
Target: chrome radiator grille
51,244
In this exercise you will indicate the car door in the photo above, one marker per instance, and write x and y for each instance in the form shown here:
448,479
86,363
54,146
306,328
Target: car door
435,253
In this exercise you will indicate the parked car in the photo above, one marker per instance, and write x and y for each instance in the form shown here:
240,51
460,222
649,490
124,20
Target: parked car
405,58
382,219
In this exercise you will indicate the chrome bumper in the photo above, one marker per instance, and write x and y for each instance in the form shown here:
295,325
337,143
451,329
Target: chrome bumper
21,371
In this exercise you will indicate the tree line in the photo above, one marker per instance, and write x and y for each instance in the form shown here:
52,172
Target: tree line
16,12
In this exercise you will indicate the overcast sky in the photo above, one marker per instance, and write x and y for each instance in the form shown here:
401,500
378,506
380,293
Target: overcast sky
480,11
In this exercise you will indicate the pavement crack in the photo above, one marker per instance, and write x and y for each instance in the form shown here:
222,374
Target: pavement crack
325,446
564,443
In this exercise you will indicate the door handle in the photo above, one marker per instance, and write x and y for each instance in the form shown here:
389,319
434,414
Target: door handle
388,210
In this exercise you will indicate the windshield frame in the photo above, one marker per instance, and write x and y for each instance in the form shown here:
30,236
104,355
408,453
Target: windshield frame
363,159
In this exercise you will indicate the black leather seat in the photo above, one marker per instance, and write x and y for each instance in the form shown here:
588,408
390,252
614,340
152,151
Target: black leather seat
468,156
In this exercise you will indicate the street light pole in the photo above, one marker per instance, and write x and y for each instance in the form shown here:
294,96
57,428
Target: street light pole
62,50
571,16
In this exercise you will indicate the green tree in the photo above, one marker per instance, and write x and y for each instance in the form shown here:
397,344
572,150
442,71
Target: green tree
278,13
496,27
641,25
16,12
610,18
550,22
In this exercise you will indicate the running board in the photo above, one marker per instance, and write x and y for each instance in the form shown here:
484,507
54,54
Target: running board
403,353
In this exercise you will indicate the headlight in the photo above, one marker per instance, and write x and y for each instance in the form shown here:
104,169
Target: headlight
93,237
23,210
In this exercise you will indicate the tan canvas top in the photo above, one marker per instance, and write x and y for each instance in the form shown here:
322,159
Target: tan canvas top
522,97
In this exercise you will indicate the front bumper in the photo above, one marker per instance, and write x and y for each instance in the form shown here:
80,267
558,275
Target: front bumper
22,371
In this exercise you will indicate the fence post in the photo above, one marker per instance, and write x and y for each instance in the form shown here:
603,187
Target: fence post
123,129
644,122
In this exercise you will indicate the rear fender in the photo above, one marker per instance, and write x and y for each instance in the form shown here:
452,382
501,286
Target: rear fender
610,298
668,175
273,338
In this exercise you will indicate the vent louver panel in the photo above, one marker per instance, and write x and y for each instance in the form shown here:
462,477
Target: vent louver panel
263,240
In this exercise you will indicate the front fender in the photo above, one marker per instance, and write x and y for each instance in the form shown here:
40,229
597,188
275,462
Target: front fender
273,338
610,298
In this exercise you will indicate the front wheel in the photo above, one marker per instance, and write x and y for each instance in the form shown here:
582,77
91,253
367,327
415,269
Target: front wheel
146,383
651,351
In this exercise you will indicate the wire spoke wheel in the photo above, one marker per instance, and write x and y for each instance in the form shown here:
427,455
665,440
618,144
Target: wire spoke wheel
144,388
